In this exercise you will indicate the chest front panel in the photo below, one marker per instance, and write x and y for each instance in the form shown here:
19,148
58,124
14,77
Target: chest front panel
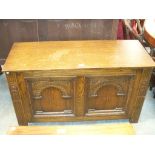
76,97
45,96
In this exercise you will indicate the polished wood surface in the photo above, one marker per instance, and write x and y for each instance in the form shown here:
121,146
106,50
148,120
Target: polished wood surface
99,129
78,80
149,31
77,55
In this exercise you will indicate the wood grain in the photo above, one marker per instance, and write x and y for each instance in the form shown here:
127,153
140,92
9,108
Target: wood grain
140,94
77,55
99,129
52,95
108,94
80,96
17,99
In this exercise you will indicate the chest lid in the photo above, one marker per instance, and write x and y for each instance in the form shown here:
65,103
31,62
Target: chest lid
53,55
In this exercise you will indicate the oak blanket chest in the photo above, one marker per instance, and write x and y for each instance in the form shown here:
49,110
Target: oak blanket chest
78,80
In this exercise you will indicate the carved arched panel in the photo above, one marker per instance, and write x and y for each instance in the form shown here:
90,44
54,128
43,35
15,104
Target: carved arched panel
96,87
52,100
106,99
107,94
39,86
52,96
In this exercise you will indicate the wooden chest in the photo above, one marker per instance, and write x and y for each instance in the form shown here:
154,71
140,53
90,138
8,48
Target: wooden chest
78,80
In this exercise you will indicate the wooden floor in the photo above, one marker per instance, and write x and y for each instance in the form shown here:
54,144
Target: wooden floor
110,129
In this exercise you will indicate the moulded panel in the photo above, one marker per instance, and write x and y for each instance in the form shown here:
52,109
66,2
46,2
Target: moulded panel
52,96
108,95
